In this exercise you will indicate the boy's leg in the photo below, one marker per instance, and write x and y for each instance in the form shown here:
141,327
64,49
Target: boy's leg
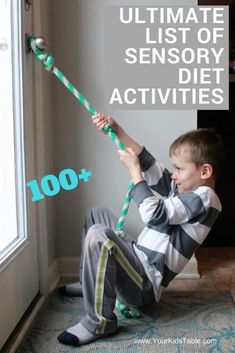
99,215
96,215
106,259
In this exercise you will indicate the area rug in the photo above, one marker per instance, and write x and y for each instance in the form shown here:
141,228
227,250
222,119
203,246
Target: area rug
182,322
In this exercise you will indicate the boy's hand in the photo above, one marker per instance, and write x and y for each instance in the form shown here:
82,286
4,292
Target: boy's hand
100,120
131,161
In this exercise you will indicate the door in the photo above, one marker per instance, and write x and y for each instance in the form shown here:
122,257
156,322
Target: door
19,283
222,122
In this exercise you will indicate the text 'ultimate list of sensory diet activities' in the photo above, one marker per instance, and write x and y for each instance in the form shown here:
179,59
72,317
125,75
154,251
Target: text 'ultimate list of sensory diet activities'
166,57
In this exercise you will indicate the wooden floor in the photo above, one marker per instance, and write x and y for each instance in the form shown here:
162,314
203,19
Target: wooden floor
216,267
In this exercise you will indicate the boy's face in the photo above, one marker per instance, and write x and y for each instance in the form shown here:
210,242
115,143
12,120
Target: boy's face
185,173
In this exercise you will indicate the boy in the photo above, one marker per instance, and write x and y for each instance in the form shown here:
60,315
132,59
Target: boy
138,272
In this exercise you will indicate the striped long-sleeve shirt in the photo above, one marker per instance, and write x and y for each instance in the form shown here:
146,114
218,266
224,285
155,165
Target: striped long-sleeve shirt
174,226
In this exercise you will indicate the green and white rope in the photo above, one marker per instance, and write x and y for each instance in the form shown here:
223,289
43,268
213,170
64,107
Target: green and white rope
47,61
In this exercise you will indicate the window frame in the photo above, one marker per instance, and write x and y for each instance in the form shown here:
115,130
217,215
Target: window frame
19,137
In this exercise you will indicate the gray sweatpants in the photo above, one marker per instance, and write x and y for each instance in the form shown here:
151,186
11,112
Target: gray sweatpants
110,269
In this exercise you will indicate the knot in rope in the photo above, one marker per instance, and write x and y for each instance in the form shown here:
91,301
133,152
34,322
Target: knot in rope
42,55
127,311
120,232
46,60
107,128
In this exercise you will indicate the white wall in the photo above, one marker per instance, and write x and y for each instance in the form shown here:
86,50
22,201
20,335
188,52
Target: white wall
77,41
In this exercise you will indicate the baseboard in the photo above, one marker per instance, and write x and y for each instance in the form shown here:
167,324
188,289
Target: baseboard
63,268
54,275
68,267
190,271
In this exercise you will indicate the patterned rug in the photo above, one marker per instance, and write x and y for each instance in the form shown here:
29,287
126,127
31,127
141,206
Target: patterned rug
182,322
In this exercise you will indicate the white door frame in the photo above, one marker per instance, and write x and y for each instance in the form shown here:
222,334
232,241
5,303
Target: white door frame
40,154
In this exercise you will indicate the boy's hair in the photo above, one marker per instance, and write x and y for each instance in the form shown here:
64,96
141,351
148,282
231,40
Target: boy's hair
203,146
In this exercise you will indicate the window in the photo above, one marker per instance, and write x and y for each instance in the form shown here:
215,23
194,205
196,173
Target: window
12,180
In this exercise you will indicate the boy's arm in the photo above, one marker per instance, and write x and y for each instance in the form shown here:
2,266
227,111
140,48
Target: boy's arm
128,141
201,206
155,174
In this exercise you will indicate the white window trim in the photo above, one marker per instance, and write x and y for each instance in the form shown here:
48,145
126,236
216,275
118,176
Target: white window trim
13,248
